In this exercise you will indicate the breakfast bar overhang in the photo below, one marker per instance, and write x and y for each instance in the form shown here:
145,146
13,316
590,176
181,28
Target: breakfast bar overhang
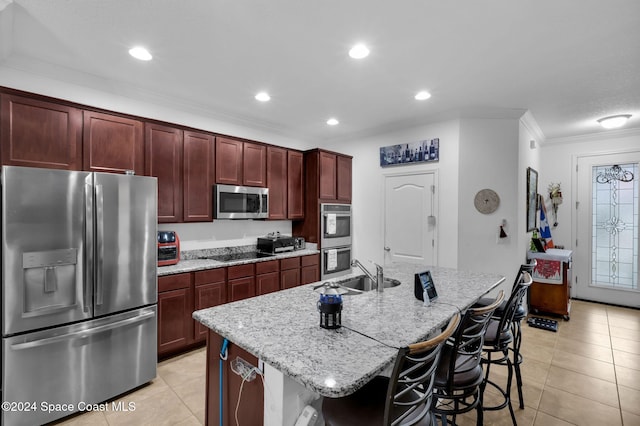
302,359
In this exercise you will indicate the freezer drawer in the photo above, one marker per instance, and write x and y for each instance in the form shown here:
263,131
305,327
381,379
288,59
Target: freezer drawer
85,363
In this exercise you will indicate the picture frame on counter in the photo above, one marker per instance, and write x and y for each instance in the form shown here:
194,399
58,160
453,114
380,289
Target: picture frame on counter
423,151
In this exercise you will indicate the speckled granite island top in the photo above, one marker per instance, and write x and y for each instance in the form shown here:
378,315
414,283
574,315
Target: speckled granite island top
283,328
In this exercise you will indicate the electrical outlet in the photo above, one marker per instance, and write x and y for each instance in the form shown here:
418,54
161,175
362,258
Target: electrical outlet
243,369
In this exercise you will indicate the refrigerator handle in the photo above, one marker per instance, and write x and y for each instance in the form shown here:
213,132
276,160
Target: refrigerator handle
88,248
99,244
83,333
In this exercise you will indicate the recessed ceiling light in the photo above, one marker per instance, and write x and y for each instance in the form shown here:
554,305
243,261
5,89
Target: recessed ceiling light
359,51
614,121
141,53
263,97
332,122
421,96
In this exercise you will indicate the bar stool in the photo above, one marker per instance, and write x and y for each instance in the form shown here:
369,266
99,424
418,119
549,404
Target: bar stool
498,338
516,325
459,374
405,398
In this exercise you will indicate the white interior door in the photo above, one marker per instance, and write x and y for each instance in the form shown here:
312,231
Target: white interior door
607,229
409,219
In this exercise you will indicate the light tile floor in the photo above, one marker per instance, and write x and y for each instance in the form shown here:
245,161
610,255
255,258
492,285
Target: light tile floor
588,373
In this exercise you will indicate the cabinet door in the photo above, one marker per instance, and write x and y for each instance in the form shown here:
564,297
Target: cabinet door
40,134
175,304
267,283
290,278
112,143
277,182
242,288
163,160
295,185
198,177
229,161
343,178
327,176
309,274
206,296
254,165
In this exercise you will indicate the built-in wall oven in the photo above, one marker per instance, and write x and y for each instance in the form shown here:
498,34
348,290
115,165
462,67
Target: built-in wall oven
335,225
335,240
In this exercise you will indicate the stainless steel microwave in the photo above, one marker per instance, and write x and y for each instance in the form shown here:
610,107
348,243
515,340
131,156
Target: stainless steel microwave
241,202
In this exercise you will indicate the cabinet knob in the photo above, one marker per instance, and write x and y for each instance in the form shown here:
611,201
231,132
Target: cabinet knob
387,248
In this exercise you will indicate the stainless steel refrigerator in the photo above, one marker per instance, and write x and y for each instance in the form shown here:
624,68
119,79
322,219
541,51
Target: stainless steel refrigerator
79,290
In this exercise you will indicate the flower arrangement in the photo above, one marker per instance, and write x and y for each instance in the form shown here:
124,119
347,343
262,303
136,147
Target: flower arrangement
555,194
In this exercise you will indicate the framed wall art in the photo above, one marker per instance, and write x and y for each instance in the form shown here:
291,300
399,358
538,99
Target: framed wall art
532,198
410,153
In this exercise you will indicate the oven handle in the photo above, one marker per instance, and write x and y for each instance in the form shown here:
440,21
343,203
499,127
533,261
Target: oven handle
81,334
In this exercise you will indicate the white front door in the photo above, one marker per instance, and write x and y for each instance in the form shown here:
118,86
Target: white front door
409,218
607,223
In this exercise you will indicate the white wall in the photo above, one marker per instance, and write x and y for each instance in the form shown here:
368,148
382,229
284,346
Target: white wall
368,188
488,159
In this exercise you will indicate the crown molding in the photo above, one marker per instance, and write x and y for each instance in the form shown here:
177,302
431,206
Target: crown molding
596,137
530,123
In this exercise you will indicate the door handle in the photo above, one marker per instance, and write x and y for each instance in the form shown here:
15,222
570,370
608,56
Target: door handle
80,334
100,244
387,248
88,247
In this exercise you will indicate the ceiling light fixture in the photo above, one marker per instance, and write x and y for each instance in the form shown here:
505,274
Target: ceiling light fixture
141,53
359,51
423,95
263,97
332,122
614,121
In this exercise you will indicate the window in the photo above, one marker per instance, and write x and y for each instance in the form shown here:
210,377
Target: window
615,226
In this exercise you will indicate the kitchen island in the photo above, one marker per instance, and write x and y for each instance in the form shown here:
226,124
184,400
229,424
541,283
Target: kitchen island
301,358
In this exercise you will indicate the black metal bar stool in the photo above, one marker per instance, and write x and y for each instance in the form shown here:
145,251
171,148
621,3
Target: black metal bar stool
459,374
516,325
498,338
402,399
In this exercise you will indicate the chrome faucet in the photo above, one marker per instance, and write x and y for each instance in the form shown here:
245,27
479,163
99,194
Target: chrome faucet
378,279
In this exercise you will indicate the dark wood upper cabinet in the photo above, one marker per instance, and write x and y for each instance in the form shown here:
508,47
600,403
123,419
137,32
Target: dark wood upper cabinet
229,161
343,181
163,160
36,133
327,177
254,165
198,176
112,143
295,185
277,182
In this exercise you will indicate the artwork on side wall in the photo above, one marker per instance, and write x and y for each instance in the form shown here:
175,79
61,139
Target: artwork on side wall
410,153
532,198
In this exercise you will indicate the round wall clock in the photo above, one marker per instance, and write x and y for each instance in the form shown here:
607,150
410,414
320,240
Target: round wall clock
486,201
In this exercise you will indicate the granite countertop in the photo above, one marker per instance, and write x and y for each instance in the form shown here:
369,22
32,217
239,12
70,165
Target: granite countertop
282,328
189,260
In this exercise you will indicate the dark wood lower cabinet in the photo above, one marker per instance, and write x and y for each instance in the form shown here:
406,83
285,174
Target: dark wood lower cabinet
251,410
210,289
175,325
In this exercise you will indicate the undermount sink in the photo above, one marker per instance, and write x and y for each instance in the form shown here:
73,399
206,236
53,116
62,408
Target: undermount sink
364,283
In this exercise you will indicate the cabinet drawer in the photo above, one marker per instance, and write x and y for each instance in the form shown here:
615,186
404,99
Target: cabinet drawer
210,276
310,260
174,282
266,267
240,271
290,263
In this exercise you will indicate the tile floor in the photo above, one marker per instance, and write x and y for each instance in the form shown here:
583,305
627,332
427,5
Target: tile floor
588,373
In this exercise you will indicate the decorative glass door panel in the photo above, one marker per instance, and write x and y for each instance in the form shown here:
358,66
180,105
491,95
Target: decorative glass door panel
607,228
615,226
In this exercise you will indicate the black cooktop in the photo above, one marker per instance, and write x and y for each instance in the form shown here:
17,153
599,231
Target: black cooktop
238,256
